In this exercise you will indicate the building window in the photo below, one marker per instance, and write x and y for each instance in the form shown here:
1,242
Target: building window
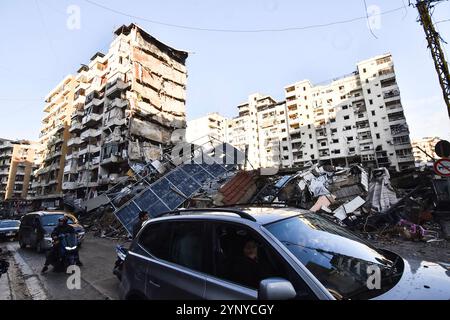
369,91
333,120
348,128
310,136
375,124
309,126
364,70
351,149
378,136
311,146
346,117
344,107
371,101
373,112
333,130
349,138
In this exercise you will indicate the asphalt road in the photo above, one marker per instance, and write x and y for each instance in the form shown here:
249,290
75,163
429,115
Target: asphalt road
25,280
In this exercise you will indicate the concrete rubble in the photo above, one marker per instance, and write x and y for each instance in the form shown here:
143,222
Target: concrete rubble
371,202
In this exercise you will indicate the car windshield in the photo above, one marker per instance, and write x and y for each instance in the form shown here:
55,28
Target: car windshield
9,224
51,220
349,267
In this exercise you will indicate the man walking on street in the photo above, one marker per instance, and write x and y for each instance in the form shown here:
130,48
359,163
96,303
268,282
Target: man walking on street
143,216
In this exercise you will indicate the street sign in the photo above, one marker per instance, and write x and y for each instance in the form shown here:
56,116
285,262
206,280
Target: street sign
442,167
442,149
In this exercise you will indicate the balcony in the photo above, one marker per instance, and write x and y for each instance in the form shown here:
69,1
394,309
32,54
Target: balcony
408,158
92,119
112,159
6,145
391,94
114,122
76,127
118,84
394,108
52,155
94,98
74,142
117,103
69,185
71,168
90,133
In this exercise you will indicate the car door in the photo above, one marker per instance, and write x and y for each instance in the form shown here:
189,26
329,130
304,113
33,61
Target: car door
35,230
26,228
234,276
176,259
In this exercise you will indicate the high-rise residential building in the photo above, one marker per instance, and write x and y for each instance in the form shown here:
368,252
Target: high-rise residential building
357,118
200,131
258,132
16,166
427,144
53,139
127,103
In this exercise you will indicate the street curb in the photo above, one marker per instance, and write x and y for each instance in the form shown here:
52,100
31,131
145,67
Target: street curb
32,281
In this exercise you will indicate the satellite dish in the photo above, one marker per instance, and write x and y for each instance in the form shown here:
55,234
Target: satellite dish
442,149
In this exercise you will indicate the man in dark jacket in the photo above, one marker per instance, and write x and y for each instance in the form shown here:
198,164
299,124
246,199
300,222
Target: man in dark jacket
143,216
54,254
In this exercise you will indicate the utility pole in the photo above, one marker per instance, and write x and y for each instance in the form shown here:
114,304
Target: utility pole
434,43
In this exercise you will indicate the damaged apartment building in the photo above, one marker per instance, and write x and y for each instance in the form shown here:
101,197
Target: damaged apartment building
123,108
358,118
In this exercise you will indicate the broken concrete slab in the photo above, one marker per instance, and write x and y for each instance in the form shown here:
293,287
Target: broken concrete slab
342,212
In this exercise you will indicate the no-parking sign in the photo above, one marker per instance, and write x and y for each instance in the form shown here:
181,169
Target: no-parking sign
442,167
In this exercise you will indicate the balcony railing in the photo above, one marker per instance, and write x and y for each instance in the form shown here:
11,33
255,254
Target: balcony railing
90,133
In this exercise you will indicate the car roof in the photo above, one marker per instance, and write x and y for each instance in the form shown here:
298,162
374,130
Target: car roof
48,213
261,215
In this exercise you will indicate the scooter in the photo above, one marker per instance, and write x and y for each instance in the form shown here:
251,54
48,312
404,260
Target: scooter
68,251
118,266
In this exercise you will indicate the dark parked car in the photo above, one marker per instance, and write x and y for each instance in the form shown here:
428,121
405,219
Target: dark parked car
9,229
268,253
36,228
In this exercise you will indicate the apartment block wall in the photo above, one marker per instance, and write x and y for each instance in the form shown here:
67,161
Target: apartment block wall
53,139
16,166
212,126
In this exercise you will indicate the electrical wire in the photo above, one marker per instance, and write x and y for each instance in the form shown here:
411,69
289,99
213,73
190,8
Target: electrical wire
194,28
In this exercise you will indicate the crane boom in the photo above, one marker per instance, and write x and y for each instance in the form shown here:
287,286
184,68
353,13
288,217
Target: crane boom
433,39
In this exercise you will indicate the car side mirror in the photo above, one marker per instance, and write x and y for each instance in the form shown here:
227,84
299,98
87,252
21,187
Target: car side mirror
276,289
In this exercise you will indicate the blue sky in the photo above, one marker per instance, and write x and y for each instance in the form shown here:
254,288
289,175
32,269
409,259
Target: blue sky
38,50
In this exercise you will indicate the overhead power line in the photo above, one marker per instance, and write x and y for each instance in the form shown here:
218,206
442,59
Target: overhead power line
194,28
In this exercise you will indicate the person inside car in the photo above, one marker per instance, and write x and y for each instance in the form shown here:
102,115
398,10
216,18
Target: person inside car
143,216
248,269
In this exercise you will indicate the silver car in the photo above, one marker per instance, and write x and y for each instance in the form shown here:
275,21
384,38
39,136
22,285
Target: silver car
268,253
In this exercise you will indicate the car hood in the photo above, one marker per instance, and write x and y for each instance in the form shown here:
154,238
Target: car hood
421,280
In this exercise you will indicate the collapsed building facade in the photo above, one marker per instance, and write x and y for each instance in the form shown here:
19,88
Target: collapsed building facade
124,107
